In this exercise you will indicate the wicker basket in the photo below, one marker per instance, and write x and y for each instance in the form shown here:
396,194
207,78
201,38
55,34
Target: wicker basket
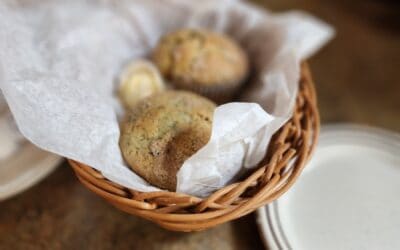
289,150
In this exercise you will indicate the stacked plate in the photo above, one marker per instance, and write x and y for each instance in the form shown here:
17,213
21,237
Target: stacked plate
21,164
347,198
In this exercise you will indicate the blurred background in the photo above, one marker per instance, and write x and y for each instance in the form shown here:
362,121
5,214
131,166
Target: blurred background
357,77
356,74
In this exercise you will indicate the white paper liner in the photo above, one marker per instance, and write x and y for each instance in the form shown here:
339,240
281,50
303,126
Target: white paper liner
59,61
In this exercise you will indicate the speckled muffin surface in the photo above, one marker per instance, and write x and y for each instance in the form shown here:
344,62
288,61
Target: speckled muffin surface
203,61
162,131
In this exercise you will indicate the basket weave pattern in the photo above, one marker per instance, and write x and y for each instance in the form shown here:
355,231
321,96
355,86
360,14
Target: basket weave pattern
288,152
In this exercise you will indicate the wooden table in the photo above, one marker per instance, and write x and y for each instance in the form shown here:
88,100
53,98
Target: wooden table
357,77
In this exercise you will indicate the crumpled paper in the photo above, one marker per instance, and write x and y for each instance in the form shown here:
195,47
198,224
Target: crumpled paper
59,61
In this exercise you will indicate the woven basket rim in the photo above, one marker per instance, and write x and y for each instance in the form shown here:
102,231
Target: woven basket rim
288,151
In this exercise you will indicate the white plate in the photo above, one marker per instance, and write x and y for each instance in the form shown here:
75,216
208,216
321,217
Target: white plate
21,164
26,167
348,197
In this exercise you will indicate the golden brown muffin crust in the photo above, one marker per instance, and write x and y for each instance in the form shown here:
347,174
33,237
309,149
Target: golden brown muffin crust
202,58
164,130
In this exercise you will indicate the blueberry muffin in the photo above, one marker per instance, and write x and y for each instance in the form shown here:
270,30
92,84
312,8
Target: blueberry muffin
206,62
164,130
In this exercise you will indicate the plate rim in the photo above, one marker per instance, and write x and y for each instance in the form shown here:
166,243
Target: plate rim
269,229
49,163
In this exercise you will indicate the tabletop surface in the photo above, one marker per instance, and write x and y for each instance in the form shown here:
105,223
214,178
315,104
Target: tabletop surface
357,80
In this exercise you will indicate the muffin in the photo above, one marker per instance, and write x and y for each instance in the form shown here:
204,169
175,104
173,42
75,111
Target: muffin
138,80
162,131
208,63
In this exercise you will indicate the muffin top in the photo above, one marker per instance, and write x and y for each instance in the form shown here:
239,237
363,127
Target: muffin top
198,57
162,131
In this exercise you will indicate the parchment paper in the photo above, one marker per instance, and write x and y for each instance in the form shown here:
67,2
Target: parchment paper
59,61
